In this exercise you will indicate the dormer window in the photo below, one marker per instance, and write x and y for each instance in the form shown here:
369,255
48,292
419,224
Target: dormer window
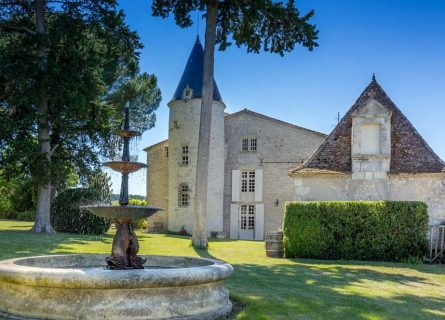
370,139
187,93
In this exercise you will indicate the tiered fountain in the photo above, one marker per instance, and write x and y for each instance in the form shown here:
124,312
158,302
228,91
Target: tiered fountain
125,243
81,287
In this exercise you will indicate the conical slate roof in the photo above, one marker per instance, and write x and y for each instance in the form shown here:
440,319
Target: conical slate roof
192,75
409,152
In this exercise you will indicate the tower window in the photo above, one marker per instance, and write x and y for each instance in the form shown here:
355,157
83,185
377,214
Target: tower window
185,156
249,144
183,198
166,152
248,181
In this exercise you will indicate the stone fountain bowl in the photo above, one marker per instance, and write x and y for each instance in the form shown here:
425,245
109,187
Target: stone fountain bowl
123,212
125,167
79,287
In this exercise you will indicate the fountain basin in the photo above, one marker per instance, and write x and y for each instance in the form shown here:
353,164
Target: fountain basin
79,287
123,212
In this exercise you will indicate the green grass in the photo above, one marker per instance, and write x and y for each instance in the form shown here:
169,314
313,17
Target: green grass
275,288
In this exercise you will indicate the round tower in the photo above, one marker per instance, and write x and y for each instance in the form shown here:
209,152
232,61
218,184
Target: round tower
183,136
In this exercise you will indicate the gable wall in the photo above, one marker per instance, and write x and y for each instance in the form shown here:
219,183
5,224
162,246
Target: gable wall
429,188
157,183
280,146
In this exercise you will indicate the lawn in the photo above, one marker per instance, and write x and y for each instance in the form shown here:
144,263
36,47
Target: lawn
275,288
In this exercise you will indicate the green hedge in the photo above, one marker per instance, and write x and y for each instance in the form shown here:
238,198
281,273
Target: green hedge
355,230
67,214
27,215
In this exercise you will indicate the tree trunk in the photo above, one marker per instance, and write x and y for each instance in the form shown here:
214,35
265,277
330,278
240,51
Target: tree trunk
43,223
199,238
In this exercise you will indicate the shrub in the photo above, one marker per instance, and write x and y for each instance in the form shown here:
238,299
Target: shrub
8,215
67,215
27,215
141,223
137,202
355,230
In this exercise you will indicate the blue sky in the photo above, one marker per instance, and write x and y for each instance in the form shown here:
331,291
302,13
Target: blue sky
402,41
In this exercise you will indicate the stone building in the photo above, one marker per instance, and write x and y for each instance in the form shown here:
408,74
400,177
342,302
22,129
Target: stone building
250,156
374,153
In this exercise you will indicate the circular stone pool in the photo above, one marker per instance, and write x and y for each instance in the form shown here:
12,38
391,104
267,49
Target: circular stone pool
79,287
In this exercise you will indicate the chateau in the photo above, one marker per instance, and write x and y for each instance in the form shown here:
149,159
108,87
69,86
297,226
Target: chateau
257,163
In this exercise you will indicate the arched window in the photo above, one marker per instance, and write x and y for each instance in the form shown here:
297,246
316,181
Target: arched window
183,195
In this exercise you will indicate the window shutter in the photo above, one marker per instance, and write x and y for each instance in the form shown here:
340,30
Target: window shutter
259,221
234,208
259,185
235,185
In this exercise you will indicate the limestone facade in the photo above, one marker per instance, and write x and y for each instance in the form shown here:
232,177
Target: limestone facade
184,121
374,154
280,146
157,184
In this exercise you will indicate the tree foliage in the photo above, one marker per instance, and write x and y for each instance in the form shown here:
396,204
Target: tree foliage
266,25
88,71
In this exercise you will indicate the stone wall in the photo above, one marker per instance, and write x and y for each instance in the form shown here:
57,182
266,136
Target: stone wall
280,147
184,130
429,188
157,184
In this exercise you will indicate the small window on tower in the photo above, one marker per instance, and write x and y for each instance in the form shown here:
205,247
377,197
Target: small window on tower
166,152
183,197
185,156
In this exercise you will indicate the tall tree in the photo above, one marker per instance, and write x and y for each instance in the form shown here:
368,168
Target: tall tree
62,63
257,24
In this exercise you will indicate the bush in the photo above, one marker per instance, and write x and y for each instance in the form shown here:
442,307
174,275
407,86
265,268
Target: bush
141,223
8,215
355,230
68,216
27,216
137,202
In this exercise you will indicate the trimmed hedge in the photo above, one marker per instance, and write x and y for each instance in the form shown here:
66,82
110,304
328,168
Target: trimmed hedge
67,215
355,230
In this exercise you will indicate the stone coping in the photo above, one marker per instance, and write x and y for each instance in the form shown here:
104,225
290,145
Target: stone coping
87,271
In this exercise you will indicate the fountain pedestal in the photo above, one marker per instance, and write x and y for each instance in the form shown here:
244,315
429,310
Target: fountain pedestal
125,248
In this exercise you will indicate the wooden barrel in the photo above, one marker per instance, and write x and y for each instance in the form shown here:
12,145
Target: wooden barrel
274,244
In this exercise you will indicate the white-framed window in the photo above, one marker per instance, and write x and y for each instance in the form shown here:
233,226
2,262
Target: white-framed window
183,195
247,217
248,181
185,156
249,144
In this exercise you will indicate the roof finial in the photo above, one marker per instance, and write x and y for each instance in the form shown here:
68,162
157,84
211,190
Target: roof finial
197,27
373,76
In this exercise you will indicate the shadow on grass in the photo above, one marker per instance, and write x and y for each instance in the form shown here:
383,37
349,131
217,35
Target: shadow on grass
314,289
338,292
14,243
